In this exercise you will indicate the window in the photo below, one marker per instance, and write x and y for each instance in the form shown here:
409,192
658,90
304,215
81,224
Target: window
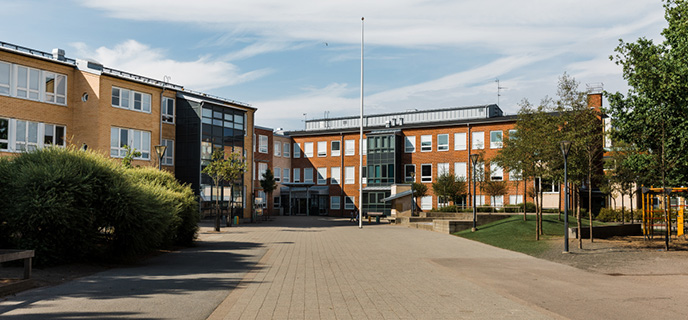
132,100
167,110
285,175
335,174
410,173
297,151
442,142
516,199
278,174
308,175
277,148
261,199
297,175
512,134
496,172
495,139
478,140
4,133
276,202
308,149
349,205
497,201
28,83
365,147
460,170
336,148
262,144
479,200
335,203
364,172
426,203
460,141
515,175
426,173
349,175
410,144
55,88
442,168
137,140
168,157
286,152
262,168
548,186
425,143
349,147
322,175
52,135
26,135
5,78
322,148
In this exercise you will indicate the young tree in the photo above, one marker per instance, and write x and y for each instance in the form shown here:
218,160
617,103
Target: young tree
267,182
129,156
419,191
449,187
227,169
494,189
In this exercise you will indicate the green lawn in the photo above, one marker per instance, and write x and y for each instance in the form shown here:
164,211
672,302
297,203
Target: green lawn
517,235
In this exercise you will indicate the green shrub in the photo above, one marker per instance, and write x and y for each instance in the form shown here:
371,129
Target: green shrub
608,215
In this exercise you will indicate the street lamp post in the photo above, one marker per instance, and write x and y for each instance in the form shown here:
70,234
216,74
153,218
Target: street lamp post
565,147
160,150
474,160
413,196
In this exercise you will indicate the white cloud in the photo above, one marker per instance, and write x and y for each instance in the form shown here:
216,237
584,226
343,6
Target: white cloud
204,73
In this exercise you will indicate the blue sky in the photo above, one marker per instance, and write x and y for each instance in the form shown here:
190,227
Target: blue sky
287,58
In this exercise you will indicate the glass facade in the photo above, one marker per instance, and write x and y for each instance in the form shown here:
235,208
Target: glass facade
383,162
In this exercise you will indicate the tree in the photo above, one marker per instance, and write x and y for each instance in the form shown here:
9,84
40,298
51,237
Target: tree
449,187
268,184
494,189
419,191
224,169
129,156
652,114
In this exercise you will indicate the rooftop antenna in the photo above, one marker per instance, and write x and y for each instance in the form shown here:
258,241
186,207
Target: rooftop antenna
304,120
498,89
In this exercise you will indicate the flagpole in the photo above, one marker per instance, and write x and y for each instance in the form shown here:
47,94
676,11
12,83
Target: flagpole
360,144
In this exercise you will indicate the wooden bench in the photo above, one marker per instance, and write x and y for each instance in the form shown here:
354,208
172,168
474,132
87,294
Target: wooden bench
377,216
11,255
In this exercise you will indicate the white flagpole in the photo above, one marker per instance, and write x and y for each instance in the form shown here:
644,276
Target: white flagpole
360,145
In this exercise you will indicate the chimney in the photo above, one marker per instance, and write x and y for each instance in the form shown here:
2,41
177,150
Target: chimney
59,54
595,95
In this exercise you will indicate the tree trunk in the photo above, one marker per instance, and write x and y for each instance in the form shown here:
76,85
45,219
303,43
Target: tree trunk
578,219
542,199
217,208
560,202
525,198
632,206
623,216
590,203
536,199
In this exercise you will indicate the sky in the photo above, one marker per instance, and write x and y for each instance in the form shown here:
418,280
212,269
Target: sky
301,59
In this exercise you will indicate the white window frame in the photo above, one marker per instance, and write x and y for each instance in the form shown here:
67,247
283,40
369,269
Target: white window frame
426,143
349,147
297,174
512,134
497,201
144,99
335,152
34,86
308,175
262,168
335,175
444,146
516,199
25,144
442,168
277,174
496,172
31,91
460,170
55,96
168,156
407,178
308,149
262,143
167,114
479,200
322,149
426,203
425,178
365,146
335,203
410,144
6,88
349,175
460,141
277,148
297,151
350,203
131,133
478,139
496,144
285,175
285,149
322,176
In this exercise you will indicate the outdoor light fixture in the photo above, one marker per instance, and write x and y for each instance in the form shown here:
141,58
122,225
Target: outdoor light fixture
160,150
474,161
565,148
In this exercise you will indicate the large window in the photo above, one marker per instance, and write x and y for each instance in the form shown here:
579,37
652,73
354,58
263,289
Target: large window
426,143
297,150
26,137
426,173
460,170
496,139
516,199
285,151
410,144
478,140
278,174
322,148
335,175
277,148
285,175
308,149
167,110
442,142
33,84
460,141
336,146
512,134
168,158
262,168
136,139
497,201
349,205
297,174
496,172
349,175
308,175
132,100
410,173
442,168
426,203
322,175
262,144
349,147
335,202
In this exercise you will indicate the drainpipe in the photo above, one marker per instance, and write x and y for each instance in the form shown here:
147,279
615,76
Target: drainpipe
469,147
341,174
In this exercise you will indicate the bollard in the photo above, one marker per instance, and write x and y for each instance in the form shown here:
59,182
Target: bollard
236,220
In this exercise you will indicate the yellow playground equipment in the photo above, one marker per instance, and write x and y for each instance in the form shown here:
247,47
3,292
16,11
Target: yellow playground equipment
654,217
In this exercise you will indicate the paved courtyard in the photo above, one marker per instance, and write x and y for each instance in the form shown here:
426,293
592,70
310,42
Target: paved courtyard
325,268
